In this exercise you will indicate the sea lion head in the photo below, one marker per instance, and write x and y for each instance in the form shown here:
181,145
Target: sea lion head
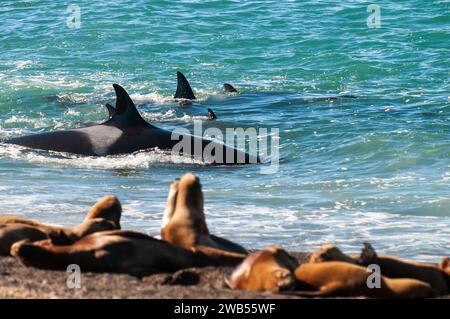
184,221
109,208
267,270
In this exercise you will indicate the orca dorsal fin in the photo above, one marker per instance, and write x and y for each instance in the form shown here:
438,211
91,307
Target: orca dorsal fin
125,113
229,88
211,115
184,90
111,110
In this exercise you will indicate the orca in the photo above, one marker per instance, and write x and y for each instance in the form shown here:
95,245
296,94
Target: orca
211,115
184,90
127,132
229,88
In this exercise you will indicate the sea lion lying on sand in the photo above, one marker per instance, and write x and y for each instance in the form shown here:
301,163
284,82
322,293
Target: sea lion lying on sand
110,251
337,278
184,223
271,269
274,270
104,215
391,267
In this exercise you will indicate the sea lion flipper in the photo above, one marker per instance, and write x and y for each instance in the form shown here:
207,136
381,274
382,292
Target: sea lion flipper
368,255
222,257
184,90
107,207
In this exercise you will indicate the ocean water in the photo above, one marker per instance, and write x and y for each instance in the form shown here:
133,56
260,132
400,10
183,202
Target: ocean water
375,168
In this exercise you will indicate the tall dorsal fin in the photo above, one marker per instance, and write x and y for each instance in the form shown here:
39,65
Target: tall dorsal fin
126,113
184,90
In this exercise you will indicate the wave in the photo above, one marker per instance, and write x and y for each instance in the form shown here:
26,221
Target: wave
138,160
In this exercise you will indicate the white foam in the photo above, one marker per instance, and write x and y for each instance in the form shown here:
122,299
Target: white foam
138,160
307,230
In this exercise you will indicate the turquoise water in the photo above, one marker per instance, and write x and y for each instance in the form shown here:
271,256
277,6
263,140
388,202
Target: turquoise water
375,168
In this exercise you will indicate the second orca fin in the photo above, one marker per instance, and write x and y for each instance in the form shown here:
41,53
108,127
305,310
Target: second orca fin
211,115
229,88
111,110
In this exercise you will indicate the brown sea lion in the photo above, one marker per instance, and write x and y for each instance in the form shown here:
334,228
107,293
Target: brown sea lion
184,223
444,266
271,269
394,267
391,267
110,251
335,278
104,215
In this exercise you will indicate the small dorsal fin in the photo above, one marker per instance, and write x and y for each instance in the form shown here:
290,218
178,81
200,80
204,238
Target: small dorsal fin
111,110
126,113
211,115
184,90
229,88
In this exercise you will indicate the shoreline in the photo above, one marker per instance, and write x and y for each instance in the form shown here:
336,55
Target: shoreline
18,282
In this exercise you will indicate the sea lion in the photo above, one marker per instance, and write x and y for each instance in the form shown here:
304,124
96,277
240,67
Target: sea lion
394,267
335,278
110,251
108,207
104,215
271,270
391,267
444,266
184,223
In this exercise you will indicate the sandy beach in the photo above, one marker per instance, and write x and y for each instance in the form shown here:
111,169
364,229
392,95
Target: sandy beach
18,281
